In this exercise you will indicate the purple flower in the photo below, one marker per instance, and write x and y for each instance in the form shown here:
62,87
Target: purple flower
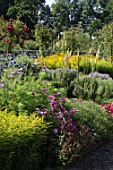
55,130
44,90
57,94
45,67
45,81
63,122
50,97
1,85
72,111
69,118
62,99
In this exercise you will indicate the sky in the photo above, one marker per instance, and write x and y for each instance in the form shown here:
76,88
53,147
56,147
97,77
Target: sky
49,2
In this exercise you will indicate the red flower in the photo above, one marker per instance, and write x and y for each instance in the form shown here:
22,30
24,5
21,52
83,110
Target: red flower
9,51
9,28
7,41
111,110
26,29
108,107
0,37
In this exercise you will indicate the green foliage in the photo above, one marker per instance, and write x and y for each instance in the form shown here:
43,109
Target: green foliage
44,36
30,45
91,64
94,117
93,88
26,10
74,39
104,39
22,141
60,77
24,93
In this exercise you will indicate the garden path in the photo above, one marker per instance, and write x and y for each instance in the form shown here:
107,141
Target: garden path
100,158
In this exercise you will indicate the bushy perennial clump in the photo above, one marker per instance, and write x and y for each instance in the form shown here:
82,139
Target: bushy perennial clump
23,141
95,87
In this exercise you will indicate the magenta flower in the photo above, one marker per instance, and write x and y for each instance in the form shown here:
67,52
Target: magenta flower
72,111
62,99
108,107
44,90
50,97
57,94
111,110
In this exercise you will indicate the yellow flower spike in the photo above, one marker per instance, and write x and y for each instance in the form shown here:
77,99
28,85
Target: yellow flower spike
42,119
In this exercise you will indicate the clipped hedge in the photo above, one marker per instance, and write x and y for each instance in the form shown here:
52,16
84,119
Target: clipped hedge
22,142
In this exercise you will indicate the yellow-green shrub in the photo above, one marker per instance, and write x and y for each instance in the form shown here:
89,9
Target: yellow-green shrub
86,63
22,141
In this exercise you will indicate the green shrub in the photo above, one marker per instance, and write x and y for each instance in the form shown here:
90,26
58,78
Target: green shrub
94,117
60,77
31,45
87,65
22,141
93,88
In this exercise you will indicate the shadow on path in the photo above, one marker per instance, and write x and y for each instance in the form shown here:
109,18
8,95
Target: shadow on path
99,159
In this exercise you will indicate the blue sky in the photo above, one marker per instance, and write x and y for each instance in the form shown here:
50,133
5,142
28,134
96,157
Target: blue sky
49,2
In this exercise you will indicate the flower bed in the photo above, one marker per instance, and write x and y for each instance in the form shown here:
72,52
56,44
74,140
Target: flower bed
74,126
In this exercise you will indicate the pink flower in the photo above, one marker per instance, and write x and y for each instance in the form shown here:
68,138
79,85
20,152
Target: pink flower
36,63
19,72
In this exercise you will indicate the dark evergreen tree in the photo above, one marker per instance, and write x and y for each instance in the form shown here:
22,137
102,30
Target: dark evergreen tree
4,6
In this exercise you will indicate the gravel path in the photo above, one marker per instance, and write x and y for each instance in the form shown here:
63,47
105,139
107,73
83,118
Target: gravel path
99,159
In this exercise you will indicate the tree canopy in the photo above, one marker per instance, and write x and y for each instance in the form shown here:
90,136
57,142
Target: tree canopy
90,15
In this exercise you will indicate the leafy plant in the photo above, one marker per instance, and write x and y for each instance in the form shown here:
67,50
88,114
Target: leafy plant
90,114
22,138
21,92
93,88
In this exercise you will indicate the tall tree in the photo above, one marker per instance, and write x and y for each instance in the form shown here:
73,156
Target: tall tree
93,14
65,14
109,11
27,10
